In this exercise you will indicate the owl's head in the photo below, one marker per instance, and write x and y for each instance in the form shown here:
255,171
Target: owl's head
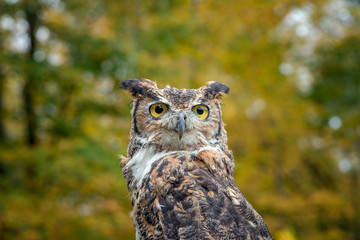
176,119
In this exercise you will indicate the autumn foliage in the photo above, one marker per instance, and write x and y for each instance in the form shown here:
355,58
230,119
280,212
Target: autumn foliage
292,115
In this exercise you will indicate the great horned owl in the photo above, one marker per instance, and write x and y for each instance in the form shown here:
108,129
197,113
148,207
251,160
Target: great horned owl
179,169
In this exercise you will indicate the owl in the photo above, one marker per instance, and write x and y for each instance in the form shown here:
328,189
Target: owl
179,169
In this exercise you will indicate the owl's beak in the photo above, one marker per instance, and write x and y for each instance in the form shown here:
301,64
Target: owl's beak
180,125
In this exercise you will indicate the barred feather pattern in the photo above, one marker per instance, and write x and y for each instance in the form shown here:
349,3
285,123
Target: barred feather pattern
193,196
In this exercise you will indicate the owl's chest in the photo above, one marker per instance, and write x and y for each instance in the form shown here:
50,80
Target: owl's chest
140,165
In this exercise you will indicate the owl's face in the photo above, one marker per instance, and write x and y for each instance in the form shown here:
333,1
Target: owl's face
176,119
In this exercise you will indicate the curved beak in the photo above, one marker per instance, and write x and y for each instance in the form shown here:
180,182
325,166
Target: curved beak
180,125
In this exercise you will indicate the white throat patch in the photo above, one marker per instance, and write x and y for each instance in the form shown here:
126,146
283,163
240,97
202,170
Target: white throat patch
140,163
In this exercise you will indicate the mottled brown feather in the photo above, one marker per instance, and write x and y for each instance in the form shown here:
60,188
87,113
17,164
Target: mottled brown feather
194,196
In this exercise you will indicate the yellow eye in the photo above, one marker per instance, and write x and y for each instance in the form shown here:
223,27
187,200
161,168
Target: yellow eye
158,109
201,111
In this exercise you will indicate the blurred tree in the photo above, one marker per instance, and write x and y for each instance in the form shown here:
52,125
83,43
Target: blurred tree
2,108
323,62
336,89
2,85
29,92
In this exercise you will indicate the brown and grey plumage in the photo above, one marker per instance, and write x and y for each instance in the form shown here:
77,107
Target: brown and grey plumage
179,169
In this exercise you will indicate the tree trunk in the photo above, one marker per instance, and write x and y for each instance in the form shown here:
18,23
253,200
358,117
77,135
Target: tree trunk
2,114
2,90
29,85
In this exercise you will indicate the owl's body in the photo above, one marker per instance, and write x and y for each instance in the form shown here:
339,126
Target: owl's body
179,169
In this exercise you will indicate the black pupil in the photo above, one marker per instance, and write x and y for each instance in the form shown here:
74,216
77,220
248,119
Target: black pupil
159,109
200,110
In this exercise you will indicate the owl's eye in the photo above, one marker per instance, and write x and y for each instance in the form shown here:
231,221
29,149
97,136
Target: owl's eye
158,109
201,111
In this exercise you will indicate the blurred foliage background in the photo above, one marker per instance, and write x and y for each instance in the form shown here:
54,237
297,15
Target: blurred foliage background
293,114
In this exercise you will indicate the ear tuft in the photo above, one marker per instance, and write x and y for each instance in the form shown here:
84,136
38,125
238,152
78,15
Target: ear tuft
139,87
215,90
